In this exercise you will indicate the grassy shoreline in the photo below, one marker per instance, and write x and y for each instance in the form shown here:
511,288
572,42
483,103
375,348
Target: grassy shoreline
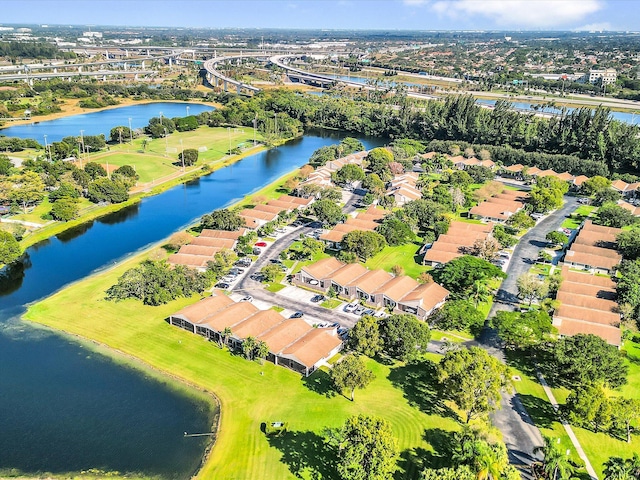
248,393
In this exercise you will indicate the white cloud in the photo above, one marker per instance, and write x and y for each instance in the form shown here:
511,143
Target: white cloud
414,3
521,13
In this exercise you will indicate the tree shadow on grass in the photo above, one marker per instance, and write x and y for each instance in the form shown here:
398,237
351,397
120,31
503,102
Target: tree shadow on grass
419,382
540,411
414,460
306,454
320,383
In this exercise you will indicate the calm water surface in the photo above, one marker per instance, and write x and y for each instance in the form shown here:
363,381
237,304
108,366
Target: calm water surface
95,123
65,408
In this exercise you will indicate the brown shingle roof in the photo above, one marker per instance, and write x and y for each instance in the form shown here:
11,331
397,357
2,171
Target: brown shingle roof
595,261
296,200
323,268
269,208
214,242
518,167
579,180
595,239
257,324
284,334
337,233
373,210
397,288
195,261
348,274
587,315
608,333
253,213
313,347
585,301
199,250
428,295
230,316
206,307
440,256
361,224
589,226
580,277
372,280
595,291
234,235
603,252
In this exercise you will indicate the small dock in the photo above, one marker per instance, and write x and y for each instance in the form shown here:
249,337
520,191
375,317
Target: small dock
208,434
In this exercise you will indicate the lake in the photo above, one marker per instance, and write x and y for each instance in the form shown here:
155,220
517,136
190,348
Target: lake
95,123
65,408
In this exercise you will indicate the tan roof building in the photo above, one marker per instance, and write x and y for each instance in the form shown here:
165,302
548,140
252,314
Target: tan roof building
194,261
396,288
580,277
199,250
234,235
579,180
219,243
610,334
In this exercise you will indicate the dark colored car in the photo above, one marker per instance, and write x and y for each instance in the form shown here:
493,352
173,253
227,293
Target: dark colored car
222,286
297,315
317,298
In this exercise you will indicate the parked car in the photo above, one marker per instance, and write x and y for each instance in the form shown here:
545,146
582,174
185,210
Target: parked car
222,286
350,307
368,311
359,310
261,244
247,298
256,251
317,298
257,277
297,315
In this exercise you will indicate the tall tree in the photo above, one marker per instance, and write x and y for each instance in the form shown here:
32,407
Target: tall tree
364,337
404,337
368,450
473,380
223,219
9,248
625,412
351,373
531,288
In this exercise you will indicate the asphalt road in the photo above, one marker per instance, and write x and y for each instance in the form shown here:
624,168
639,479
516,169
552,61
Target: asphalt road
519,432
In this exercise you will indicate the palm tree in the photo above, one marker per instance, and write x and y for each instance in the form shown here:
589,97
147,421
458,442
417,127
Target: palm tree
479,292
556,464
487,462
248,347
618,468
262,350
224,336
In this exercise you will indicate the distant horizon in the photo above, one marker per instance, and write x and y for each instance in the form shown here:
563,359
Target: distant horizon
313,29
335,15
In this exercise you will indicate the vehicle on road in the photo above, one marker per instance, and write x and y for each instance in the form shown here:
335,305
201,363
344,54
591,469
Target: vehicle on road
247,298
222,286
318,298
257,277
261,244
297,315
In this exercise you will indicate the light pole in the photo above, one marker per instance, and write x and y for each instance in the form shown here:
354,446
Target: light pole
82,141
166,143
255,121
160,118
182,154
130,132
187,110
47,150
229,135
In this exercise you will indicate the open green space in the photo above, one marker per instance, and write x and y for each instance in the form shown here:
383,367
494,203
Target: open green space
578,216
404,255
331,303
251,393
597,446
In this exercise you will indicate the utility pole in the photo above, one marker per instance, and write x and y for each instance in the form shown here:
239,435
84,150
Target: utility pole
130,132
166,143
229,135
187,110
47,150
255,121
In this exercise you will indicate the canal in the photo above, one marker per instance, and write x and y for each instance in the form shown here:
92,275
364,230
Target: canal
64,407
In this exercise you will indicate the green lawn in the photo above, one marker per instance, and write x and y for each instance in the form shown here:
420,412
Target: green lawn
331,303
578,216
251,393
148,167
598,446
404,255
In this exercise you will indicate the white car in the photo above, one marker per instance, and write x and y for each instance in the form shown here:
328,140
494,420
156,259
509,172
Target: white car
350,307
247,298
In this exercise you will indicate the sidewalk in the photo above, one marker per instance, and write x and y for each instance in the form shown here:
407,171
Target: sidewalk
567,427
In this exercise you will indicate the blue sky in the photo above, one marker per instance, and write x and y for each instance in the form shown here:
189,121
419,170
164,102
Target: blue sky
333,14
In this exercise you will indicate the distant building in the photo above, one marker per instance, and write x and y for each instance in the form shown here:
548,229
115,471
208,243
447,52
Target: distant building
607,76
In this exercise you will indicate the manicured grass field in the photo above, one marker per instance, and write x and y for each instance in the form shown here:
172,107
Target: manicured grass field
597,446
578,216
250,393
159,157
403,255
331,303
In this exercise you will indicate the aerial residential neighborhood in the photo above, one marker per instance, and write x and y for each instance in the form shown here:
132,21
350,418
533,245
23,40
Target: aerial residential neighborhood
320,240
